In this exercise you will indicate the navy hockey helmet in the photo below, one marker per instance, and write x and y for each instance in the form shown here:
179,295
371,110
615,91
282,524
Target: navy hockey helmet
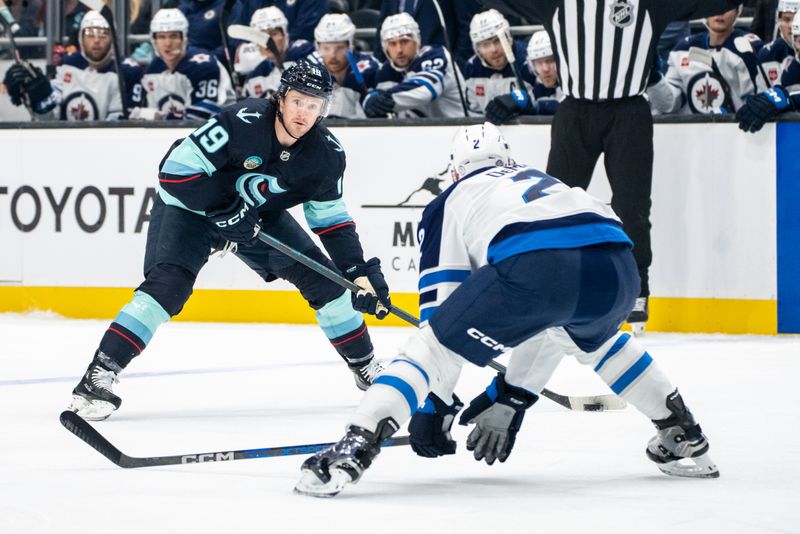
307,78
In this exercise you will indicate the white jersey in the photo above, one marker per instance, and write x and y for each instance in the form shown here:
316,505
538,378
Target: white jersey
500,212
482,83
427,88
264,78
696,87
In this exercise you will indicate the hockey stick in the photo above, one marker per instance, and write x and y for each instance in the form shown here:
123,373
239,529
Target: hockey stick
594,403
706,58
508,50
105,11
744,46
452,57
223,22
10,27
255,36
91,436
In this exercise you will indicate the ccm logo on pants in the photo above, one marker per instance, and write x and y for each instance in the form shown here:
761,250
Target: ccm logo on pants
474,333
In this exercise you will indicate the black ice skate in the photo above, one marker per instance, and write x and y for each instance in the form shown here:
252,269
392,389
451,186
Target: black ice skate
639,315
680,448
93,398
327,472
365,374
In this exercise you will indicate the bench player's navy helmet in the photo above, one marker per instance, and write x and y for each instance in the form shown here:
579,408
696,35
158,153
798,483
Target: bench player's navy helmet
309,79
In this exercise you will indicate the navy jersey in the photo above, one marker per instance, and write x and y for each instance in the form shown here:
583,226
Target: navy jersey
427,88
197,88
483,83
546,100
348,95
203,17
237,154
265,78
790,81
775,57
303,15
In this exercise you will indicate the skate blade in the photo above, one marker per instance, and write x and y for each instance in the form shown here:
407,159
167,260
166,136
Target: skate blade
700,467
311,486
638,329
97,410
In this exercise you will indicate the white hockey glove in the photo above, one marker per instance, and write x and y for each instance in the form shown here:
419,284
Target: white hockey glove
374,297
145,114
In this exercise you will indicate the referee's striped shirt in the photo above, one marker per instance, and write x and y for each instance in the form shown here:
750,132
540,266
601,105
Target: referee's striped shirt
604,48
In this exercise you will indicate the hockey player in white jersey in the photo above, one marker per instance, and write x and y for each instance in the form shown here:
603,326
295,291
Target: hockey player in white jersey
488,73
776,56
547,95
183,82
353,72
86,86
783,97
415,81
713,72
511,257
258,63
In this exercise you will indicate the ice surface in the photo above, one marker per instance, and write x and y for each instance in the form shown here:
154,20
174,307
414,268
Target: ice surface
207,387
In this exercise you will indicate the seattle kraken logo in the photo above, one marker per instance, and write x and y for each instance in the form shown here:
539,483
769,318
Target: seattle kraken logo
621,13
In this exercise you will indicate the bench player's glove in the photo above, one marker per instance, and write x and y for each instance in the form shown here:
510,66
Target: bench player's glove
761,108
503,108
238,223
378,104
429,429
497,414
27,80
374,297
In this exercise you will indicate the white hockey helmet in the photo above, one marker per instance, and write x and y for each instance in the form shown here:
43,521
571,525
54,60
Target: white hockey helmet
169,20
397,26
93,19
335,27
486,25
539,46
792,6
476,147
796,34
270,18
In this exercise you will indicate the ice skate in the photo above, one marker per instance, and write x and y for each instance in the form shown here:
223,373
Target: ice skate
93,398
365,374
328,472
680,448
639,315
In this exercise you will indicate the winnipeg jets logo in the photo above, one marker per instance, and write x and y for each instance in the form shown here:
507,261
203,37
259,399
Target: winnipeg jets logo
200,58
243,115
706,94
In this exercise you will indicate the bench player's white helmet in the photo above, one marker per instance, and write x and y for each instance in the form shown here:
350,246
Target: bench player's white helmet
335,27
169,20
477,147
792,6
486,25
397,26
93,19
270,18
540,46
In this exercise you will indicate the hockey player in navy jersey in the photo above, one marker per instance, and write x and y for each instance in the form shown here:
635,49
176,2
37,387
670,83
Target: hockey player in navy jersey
183,82
86,85
204,17
488,73
261,67
713,72
511,258
781,98
547,95
415,81
353,72
239,172
777,55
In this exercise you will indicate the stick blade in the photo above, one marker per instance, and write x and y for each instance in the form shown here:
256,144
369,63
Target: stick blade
75,424
246,33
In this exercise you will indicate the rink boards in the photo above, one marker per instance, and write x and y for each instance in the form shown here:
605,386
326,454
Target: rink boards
726,222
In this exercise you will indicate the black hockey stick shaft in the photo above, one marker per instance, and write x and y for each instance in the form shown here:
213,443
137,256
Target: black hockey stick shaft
19,61
105,11
223,22
452,57
91,436
596,403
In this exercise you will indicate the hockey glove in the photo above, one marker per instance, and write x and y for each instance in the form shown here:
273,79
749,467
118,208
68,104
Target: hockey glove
238,222
762,108
374,297
429,429
378,104
503,108
27,80
497,414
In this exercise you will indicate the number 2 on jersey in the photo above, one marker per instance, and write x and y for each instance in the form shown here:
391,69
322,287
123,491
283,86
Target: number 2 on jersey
538,189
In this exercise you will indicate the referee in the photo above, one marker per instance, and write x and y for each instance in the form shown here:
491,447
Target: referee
605,50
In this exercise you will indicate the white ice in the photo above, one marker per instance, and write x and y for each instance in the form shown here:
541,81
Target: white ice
209,387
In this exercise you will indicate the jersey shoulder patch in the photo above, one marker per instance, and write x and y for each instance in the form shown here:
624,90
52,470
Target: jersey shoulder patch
299,49
75,59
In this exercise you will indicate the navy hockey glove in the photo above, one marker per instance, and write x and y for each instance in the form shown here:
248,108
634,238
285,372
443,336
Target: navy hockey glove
429,429
238,222
497,414
27,80
761,108
378,104
374,297
503,108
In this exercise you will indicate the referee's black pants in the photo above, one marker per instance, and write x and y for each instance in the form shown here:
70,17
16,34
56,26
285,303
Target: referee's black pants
622,130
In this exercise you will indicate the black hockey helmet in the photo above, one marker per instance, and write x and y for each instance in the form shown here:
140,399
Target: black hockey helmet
307,78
